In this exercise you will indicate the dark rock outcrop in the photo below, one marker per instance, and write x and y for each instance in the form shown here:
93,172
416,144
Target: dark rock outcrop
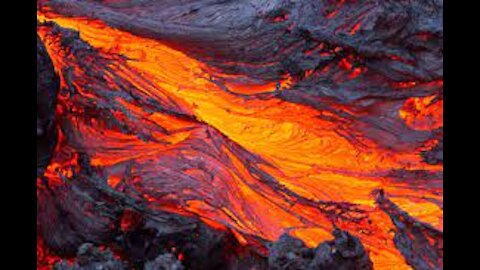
48,83
345,252
90,257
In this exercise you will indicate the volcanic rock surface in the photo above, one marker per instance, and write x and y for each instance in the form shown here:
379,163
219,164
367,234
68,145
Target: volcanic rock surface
213,134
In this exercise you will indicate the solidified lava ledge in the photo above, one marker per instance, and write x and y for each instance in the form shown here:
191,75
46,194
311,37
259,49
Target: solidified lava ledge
246,134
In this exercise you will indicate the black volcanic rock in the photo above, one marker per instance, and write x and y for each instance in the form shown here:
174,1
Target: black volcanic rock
90,257
200,246
48,83
81,211
345,252
164,262
289,253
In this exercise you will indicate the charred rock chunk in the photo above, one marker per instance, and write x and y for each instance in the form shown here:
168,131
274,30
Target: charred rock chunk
199,246
164,262
90,257
345,252
289,253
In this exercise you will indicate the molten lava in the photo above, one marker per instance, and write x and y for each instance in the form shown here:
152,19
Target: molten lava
235,150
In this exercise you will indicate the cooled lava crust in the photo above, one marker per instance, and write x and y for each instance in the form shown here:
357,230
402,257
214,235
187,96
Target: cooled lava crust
247,134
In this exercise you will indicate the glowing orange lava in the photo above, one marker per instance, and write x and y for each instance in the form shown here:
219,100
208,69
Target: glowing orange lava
303,152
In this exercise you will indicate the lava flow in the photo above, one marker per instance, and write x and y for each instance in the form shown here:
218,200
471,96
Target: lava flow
261,118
